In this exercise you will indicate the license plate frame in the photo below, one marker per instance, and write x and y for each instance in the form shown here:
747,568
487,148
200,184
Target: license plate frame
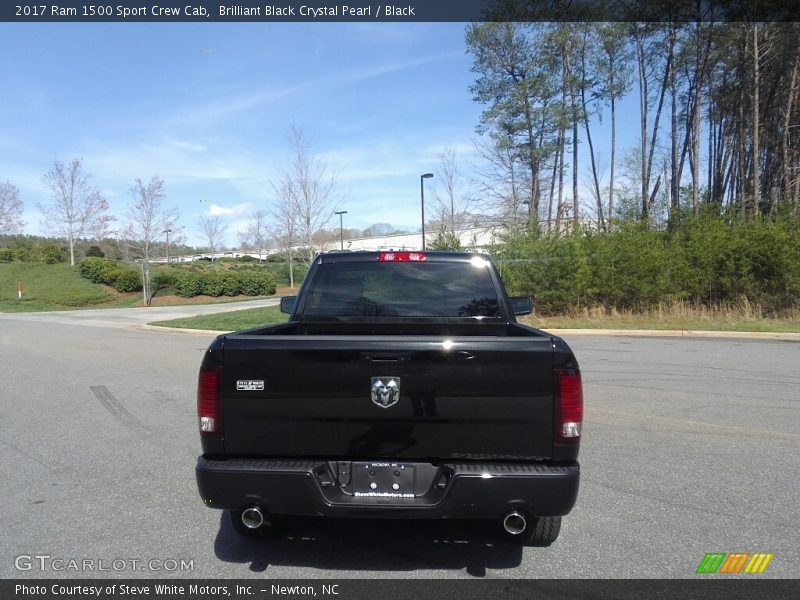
378,479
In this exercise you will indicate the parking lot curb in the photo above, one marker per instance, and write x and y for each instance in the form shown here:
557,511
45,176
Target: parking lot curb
149,327
744,335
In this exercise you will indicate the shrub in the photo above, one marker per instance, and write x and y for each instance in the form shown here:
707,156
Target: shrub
24,254
51,254
161,280
100,270
232,283
188,284
109,274
257,283
128,281
704,259
88,267
212,284
95,251
446,241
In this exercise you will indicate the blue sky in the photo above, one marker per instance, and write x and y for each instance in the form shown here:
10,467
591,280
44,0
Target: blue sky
207,107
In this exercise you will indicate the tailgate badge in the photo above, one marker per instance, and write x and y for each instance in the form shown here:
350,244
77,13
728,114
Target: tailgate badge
250,385
385,391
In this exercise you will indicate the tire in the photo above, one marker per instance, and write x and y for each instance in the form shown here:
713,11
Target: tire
543,531
273,524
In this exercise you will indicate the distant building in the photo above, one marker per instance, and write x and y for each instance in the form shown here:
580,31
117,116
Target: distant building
473,239
476,239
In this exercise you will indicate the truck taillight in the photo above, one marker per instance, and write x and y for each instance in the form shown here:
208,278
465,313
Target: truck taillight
209,403
569,406
401,257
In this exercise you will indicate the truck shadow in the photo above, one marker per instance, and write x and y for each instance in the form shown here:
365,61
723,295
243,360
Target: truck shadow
374,545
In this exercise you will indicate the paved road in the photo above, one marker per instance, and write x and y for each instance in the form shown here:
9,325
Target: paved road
691,446
127,318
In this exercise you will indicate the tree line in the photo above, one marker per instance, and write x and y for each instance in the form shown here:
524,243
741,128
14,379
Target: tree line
718,119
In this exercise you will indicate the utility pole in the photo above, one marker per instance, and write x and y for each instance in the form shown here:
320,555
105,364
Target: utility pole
341,230
422,179
168,231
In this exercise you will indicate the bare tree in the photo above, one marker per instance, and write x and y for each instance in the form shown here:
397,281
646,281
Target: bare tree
502,183
148,220
77,209
213,230
452,207
792,92
613,66
756,122
255,234
653,70
309,187
285,215
10,209
596,191
700,48
675,167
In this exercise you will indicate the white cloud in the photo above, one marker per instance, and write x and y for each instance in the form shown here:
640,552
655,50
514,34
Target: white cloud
171,161
463,150
237,210
185,145
225,106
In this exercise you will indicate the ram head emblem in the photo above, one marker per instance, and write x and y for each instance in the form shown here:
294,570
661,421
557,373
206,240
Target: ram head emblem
385,391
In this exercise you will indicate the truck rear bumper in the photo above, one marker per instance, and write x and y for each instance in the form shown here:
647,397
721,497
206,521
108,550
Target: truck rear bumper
448,490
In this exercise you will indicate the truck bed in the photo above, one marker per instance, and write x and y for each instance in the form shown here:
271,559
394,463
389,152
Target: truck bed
479,391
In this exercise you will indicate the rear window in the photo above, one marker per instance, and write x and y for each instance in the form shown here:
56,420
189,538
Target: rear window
402,289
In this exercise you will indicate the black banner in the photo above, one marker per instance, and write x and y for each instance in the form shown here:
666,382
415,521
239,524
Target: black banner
401,10
407,589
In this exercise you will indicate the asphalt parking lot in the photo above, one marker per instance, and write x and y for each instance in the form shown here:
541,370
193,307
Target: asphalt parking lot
690,446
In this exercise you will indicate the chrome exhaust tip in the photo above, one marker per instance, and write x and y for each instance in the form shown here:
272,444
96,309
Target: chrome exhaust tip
252,517
514,523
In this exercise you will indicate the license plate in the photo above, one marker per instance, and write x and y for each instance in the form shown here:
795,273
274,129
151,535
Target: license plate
383,479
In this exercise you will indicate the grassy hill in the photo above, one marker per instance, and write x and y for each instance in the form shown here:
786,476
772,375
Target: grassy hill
60,287
47,287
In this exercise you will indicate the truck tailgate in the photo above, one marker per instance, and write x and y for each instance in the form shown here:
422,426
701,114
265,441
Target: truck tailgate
414,397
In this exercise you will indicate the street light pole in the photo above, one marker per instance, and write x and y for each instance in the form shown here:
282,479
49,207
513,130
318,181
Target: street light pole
168,231
341,230
422,179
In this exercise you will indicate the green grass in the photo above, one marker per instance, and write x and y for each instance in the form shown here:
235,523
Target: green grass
46,287
643,322
244,319
742,315
229,321
60,287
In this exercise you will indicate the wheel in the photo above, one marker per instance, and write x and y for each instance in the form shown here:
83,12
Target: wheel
273,524
543,531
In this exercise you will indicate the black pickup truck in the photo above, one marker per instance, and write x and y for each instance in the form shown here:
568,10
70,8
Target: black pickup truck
401,387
